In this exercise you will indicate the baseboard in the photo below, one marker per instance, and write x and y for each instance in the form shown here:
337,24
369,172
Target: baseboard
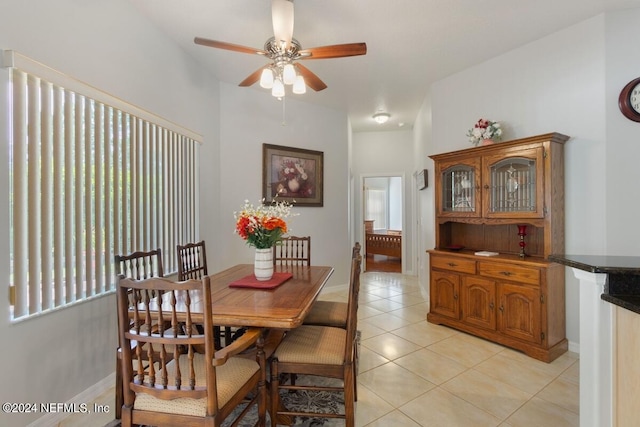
86,397
574,347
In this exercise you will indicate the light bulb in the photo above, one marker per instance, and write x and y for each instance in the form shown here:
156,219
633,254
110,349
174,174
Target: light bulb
289,74
278,89
299,87
266,78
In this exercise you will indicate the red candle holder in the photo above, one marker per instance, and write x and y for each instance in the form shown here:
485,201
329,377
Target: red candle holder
522,231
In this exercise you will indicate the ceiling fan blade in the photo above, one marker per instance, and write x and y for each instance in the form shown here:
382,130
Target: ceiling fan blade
334,51
252,78
311,79
228,46
282,17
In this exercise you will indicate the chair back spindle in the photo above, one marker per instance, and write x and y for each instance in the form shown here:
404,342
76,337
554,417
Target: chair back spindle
192,261
292,250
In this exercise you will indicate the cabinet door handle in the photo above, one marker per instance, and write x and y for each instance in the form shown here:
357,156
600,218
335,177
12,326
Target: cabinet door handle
455,296
486,186
452,264
491,306
501,308
506,273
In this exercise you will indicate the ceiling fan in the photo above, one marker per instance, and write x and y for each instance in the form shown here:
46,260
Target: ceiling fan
284,52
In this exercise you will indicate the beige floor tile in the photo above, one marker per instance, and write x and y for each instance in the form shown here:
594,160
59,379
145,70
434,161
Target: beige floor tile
424,333
564,393
366,297
409,298
540,413
487,393
369,359
385,292
390,346
102,412
365,312
573,372
554,368
367,330
412,313
394,384
431,366
463,351
523,374
387,321
370,407
394,419
385,304
478,342
439,408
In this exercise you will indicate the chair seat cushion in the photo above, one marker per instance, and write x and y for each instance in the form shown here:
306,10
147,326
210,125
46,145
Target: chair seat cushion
230,377
328,313
313,344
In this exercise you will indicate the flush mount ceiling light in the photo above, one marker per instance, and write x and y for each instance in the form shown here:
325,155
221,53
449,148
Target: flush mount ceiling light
381,118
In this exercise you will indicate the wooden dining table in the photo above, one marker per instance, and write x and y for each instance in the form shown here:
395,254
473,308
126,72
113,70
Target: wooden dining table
283,307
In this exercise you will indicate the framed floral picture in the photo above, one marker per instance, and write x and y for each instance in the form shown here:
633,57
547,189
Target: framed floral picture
292,174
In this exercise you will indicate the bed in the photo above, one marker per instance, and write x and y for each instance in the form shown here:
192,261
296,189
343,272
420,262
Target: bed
387,243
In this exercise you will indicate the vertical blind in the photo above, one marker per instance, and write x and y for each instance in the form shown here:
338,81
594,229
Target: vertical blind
89,180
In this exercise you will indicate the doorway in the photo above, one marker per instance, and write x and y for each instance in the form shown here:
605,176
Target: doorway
383,219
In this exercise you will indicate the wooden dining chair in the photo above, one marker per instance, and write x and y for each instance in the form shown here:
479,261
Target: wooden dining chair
192,264
322,351
330,313
292,250
140,264
181,386
192,261
137,265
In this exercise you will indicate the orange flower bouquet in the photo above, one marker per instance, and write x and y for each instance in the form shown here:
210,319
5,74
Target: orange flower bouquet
263,226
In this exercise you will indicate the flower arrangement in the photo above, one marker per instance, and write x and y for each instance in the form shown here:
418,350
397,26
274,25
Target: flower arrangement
263,226
294,179
484,129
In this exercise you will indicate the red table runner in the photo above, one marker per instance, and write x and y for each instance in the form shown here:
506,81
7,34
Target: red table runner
250,281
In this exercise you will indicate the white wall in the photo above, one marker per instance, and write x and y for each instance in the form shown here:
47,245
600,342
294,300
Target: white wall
387,154
250,118
622,135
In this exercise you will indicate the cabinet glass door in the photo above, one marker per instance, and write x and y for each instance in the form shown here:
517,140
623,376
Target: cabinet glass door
459,189
513,186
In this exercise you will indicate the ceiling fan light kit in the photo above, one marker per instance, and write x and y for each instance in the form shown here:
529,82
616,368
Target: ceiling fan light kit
284,51
381,118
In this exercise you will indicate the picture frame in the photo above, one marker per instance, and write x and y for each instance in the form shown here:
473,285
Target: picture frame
294,175
422,179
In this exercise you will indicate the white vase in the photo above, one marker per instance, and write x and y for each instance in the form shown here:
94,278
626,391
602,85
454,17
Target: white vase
263,264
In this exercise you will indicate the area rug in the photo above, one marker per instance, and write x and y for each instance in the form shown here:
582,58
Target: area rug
302,400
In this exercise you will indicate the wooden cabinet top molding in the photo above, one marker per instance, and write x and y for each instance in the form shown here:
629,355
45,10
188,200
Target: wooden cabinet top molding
516,143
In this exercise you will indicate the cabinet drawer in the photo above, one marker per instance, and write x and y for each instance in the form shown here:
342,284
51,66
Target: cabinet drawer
517,273
460,265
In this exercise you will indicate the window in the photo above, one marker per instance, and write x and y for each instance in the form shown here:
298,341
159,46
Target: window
91,177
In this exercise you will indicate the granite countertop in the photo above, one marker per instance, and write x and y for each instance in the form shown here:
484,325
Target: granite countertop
623,282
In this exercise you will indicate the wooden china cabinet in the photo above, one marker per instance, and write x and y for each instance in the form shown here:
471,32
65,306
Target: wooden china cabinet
494,199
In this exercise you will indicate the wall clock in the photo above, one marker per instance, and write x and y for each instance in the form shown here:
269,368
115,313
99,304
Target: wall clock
629,100
422,179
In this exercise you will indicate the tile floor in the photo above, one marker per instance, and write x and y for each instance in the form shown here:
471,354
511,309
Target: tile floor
413,373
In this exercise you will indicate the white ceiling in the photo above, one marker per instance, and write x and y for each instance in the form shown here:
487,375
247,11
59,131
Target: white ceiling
411,43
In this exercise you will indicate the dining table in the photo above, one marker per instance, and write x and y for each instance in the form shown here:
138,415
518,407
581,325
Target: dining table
282,307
